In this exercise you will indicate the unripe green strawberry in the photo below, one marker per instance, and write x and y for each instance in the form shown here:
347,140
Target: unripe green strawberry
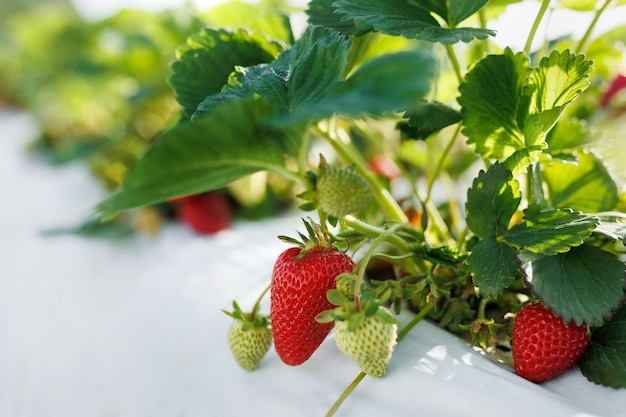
249,335
544,346
370,345
248,343
341,192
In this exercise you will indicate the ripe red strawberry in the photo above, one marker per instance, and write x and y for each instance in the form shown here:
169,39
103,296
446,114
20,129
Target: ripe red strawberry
544,346
299,285
205,213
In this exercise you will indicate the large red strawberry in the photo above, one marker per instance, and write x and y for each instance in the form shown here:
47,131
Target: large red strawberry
300,281
544,346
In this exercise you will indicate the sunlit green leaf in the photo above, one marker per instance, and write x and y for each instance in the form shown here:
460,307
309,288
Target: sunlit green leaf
402,18
584,284
585,186
579,5
493,265
551,232
489,104
206,61
491,201
228,144
558,79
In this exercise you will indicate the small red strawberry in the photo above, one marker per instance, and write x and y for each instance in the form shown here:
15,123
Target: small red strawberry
205,213
544,346
300,279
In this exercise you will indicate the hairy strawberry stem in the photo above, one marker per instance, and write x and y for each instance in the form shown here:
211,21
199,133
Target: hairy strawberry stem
401,334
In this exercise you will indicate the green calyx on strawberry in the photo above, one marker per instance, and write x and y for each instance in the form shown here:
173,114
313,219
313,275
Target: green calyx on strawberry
366,332
300,279
249,337
544,346
339,191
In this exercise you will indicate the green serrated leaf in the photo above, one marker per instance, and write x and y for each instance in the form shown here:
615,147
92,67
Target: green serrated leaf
427,118
586,186
402,18
325,317
323,12
558,79
604,361
584,284
195,157
390,83
489,104
206,61
491,201
551,232
301,75
493,266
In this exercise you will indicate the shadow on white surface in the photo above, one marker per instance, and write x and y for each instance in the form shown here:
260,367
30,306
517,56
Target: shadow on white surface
97,328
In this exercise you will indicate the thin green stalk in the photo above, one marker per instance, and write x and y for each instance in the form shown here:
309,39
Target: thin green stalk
373,231
442,160
368,255
533,30
401,334
258,303
592,25
345,394
455,63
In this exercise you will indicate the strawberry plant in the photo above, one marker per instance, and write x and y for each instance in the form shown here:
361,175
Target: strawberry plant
507,186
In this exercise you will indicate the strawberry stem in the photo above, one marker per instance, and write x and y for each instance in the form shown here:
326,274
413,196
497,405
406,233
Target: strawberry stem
345,394
533,30
592,25
257,304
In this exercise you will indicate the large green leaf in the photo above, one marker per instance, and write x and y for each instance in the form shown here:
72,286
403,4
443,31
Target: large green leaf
551,232
493,265
389,83
402,18
299,76
206,61
586,186
489,101
491,201
190,158
604,361
508,108
584,284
